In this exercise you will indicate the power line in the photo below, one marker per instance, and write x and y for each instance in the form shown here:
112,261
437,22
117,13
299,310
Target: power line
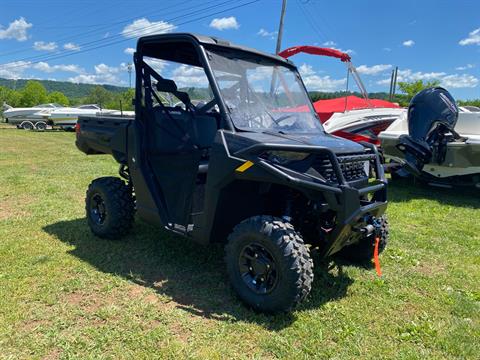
310,21
128,34
132,33
106,26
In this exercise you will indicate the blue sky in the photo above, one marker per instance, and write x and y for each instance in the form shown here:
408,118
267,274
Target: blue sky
65,40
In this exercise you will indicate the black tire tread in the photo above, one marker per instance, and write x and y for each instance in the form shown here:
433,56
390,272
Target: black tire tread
295,254
121,200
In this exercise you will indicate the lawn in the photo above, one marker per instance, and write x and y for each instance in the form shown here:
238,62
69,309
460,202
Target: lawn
66,294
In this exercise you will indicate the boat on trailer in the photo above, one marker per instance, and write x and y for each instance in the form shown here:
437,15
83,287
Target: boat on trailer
67,117
30,118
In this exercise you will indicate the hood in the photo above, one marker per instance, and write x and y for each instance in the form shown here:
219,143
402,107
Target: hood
337,144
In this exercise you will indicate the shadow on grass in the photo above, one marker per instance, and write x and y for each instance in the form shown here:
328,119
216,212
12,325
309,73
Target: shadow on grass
193,276
403,190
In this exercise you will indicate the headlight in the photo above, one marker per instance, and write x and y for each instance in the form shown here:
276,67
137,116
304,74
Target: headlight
284,157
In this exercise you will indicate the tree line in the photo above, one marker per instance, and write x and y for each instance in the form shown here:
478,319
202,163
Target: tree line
34,93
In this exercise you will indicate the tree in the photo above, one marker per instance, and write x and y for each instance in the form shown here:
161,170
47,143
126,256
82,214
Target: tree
99,95
9,96
32,94
58,97
414,87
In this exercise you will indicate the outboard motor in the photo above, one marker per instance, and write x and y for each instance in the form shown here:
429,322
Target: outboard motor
432,116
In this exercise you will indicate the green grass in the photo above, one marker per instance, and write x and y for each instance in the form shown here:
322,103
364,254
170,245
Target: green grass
67,294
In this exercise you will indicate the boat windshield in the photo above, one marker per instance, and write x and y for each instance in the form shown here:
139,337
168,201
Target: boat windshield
49,106
262,94
89,106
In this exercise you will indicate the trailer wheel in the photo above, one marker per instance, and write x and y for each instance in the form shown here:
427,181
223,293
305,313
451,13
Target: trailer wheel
41,126
268,264
363,250
110,207
27,125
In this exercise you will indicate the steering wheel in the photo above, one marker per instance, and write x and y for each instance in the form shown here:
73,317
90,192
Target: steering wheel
207,107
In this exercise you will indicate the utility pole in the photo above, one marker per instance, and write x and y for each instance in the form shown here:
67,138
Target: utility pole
129,69
390,93
280,27
394,82
279,42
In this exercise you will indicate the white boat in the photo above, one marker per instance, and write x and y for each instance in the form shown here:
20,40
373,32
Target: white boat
439,158
362,124
32,117
67,117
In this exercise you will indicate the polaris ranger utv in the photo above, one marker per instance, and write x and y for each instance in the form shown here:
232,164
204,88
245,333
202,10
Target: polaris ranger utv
251,168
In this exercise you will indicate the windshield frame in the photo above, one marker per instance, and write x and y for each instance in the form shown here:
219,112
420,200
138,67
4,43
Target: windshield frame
271,60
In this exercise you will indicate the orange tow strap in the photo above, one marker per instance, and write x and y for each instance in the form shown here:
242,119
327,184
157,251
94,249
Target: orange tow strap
375,257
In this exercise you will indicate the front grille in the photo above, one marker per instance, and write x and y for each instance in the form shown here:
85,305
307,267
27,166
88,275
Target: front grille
352,165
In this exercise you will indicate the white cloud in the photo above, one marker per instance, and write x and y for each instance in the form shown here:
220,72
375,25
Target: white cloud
387,49
188,76
466,67
84,79
314,82
408,43
459,81
104,74
44,46
348,51
71,46
143,26
17,30
14,70
225,23
373,70
129,51
306,70
329,43
447,80
264,33
409,75
472,39
47,68
157,64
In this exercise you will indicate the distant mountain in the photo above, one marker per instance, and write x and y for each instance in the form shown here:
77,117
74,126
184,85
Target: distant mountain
70,89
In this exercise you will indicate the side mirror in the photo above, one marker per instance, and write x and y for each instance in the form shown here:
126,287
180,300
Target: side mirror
133,101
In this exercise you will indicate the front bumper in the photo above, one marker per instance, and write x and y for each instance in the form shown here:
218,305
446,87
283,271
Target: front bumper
350,203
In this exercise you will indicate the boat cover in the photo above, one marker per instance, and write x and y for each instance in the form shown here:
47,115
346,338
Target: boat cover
315,50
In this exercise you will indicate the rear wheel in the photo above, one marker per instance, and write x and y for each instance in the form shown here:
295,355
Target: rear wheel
363,250
268,264
41,126
110,207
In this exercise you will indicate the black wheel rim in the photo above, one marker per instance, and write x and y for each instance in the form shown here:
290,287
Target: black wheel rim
97,209
257,268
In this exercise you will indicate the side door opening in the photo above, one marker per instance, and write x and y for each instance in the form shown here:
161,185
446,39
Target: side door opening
181,119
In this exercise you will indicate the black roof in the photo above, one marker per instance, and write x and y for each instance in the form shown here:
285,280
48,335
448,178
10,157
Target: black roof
142,44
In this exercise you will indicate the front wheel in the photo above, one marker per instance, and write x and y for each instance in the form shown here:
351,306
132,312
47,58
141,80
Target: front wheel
27,125
268,264
110,207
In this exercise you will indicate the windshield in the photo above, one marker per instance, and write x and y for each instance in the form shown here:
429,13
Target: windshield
263,95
